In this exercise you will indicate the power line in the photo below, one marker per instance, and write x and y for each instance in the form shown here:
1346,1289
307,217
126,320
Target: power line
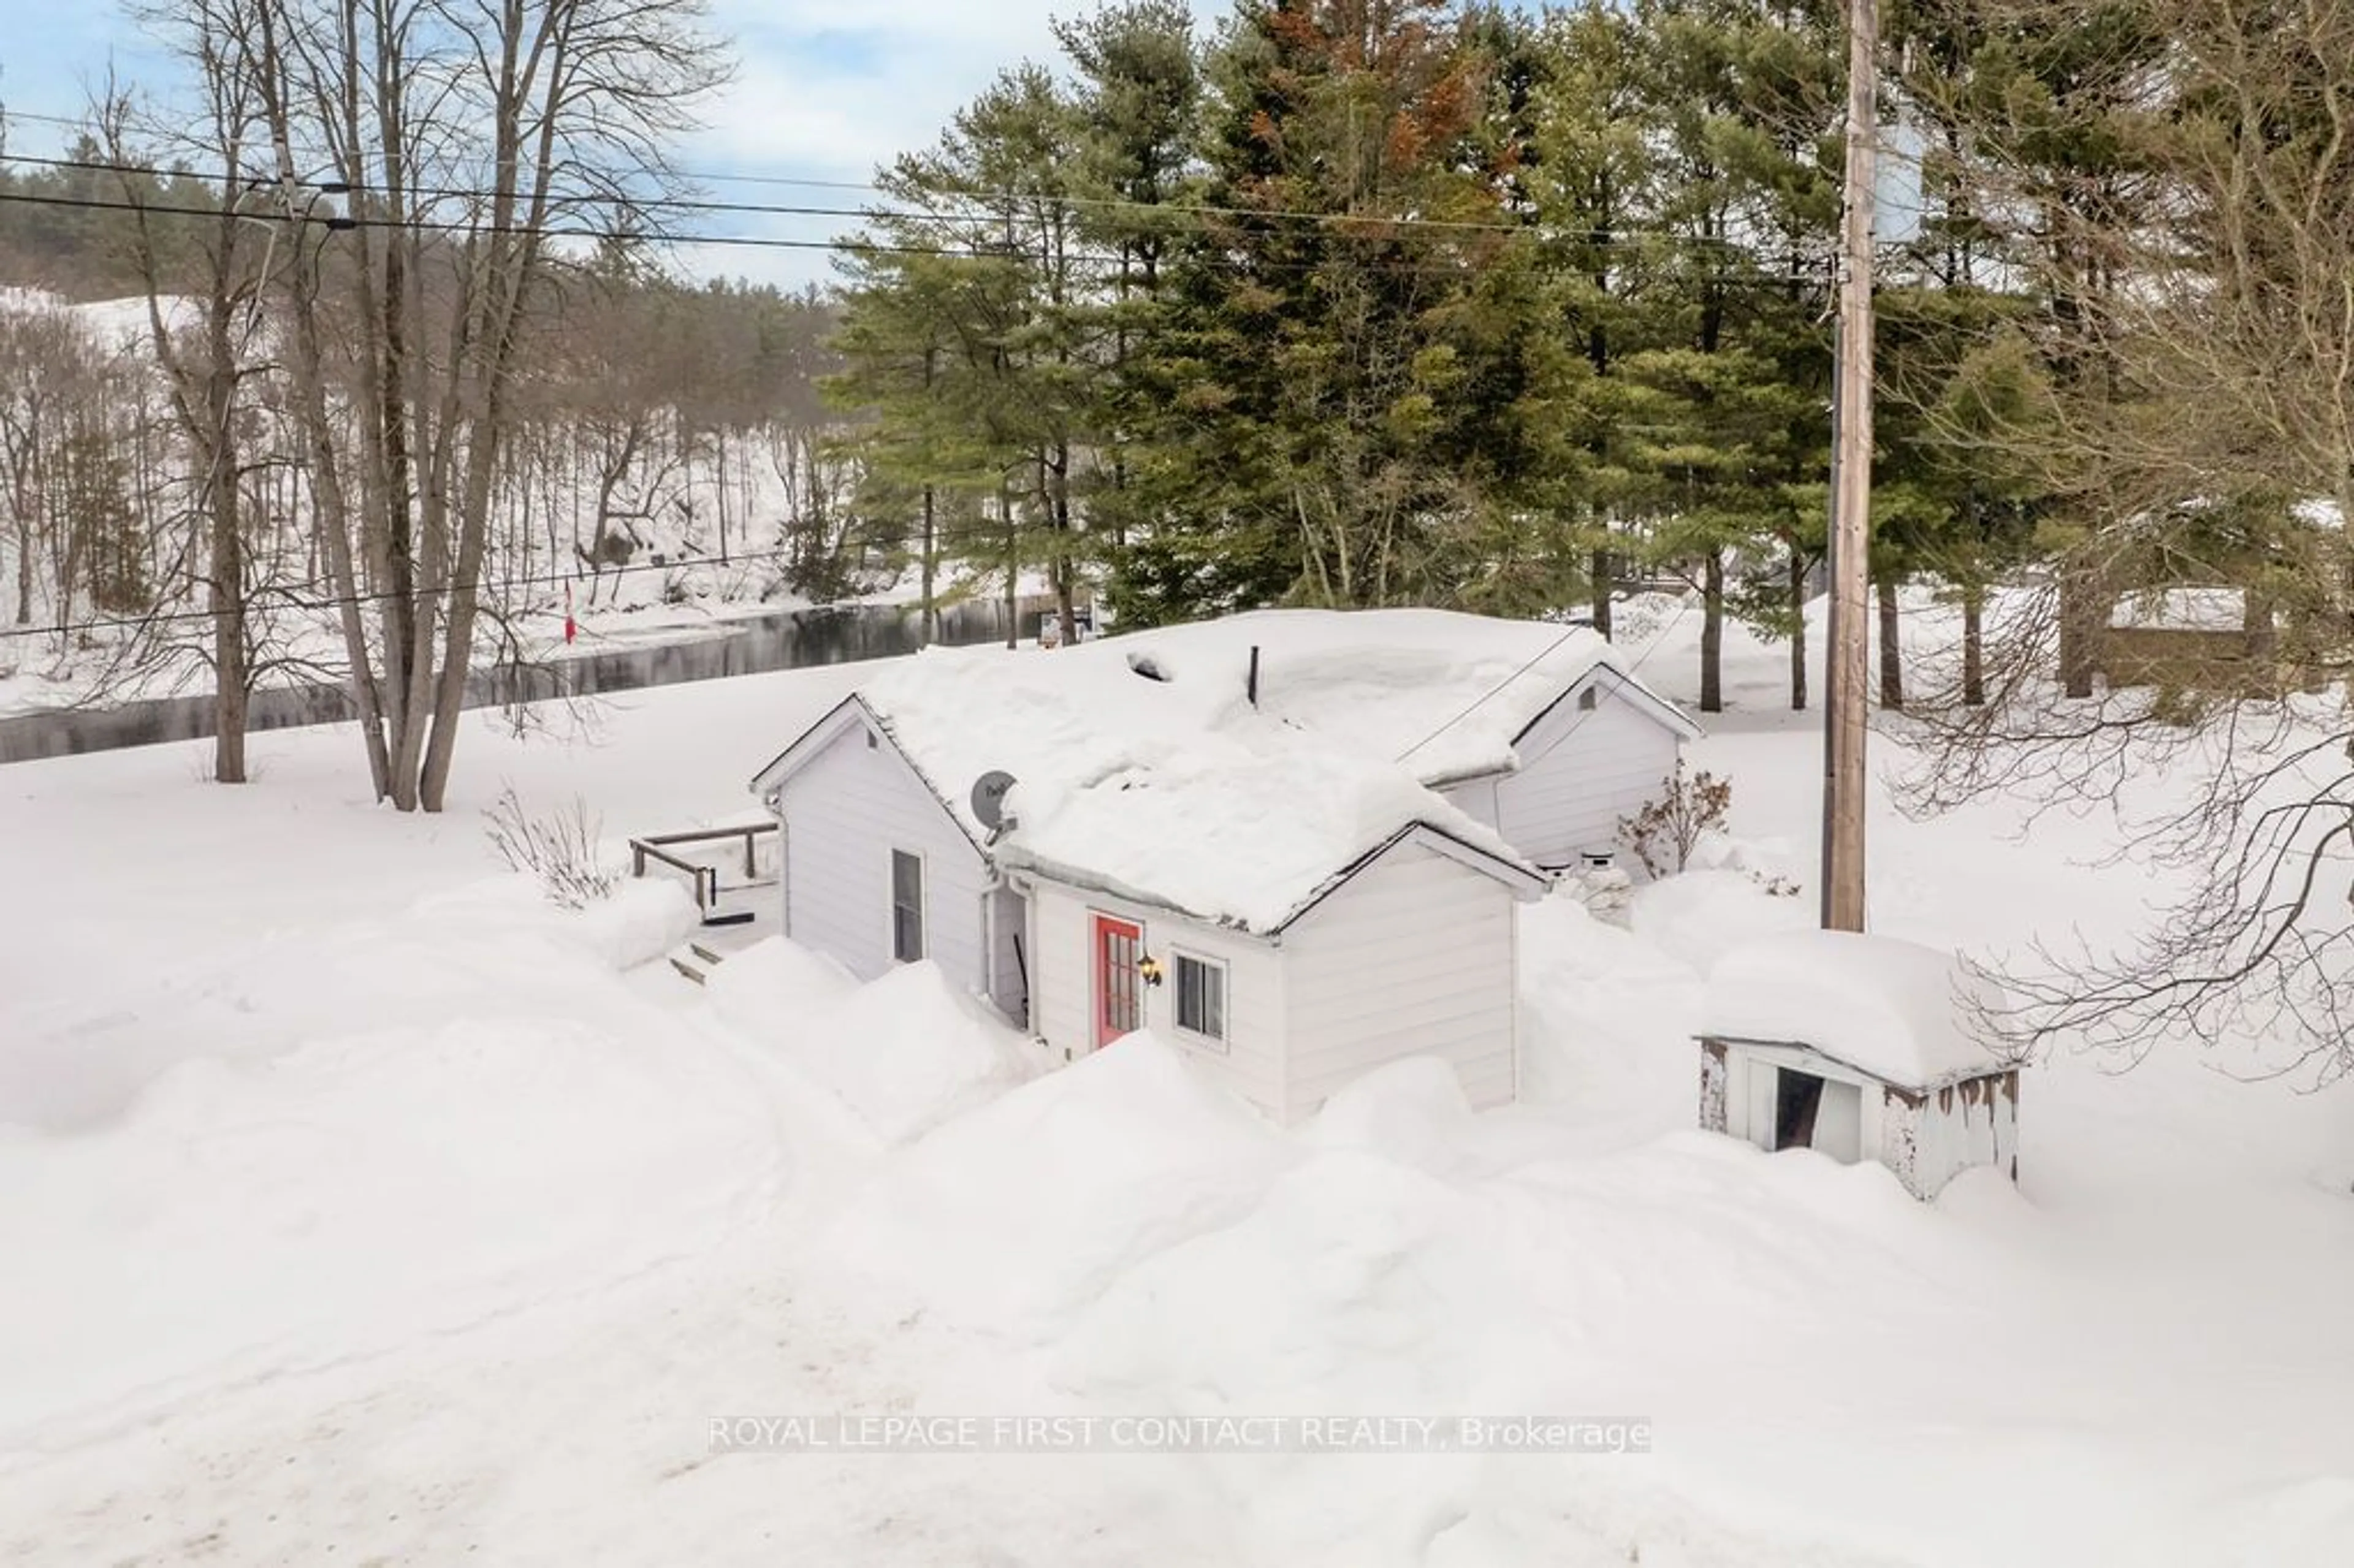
960,207
975,197
850,246
542,231
1538,658
976,205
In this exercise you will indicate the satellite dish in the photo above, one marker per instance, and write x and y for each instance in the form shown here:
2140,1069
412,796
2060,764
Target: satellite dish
988,798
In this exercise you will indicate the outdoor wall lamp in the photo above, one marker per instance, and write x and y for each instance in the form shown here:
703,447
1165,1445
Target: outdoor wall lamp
1148,969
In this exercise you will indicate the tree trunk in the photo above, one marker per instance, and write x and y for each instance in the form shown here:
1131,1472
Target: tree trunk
931,624
1711,635
227,579
1058,496
1892,651
720,484
332,514
1013,571
2078,632
227,568
1974,646
24,575
1601,575
1798,631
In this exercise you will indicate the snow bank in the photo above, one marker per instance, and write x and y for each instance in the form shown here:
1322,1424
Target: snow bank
1893,1009
637,923
767,987
1605,1017
1696,916
422,1167
1011,1217
1412,1112
905,1051
910,1050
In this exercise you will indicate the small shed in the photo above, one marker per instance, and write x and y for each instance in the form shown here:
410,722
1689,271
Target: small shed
1859,1047
2197,638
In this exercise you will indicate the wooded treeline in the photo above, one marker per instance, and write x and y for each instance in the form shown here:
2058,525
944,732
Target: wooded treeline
1356,302
1372,301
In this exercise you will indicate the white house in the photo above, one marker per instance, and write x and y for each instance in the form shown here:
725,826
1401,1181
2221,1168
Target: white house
1858,1047
1290,840
1540,731
1291,921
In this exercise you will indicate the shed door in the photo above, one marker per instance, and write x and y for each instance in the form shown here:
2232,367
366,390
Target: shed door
1119,991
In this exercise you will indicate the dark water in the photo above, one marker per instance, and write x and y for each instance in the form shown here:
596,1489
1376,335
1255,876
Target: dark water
789,640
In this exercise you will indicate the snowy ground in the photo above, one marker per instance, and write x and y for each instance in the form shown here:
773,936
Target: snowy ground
355,1207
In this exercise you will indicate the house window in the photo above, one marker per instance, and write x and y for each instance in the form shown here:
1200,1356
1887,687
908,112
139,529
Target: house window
1200,997
907,907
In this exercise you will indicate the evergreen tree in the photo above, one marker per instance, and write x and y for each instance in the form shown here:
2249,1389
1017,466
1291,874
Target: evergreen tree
1356,367
1728,426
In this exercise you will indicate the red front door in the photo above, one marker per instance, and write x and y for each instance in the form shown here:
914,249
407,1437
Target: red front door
1120,990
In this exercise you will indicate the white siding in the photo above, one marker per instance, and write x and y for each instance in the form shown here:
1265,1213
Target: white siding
844,811
1971,1123
1062,989
1927,1140
1009,964
1847,1121
1413,956
1475,798
1581,771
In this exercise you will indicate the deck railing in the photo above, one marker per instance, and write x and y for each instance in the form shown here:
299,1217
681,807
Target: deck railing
706,878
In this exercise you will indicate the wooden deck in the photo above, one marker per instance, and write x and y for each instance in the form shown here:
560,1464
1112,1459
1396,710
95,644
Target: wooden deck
732,874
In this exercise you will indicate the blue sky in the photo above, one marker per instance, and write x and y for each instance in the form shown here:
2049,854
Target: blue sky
825,91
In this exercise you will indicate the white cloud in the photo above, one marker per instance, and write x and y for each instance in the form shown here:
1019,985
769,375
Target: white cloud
826,91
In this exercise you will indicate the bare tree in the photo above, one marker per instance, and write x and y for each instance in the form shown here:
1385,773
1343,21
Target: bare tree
2214,448
206,366
468,134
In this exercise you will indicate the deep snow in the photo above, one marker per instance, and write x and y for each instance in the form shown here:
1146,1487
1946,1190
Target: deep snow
1905,1013
357,1207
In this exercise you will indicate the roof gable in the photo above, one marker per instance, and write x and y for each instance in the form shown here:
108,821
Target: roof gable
1614,685
1247,842
853,713
1279,913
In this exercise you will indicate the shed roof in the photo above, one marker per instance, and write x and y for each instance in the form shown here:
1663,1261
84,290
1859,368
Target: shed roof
2205,609
1895,1009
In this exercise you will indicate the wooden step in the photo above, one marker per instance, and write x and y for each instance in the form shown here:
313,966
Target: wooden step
689,970
706,954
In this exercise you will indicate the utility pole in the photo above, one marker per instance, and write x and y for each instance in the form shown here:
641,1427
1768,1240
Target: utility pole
1843,705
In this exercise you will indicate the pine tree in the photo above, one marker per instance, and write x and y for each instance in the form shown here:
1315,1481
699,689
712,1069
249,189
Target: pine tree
1356,371
1728,427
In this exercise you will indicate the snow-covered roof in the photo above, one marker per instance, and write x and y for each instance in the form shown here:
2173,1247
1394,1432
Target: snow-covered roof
2181,609
1143,765
2318,512
1445,694
1250,842
1892,1008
